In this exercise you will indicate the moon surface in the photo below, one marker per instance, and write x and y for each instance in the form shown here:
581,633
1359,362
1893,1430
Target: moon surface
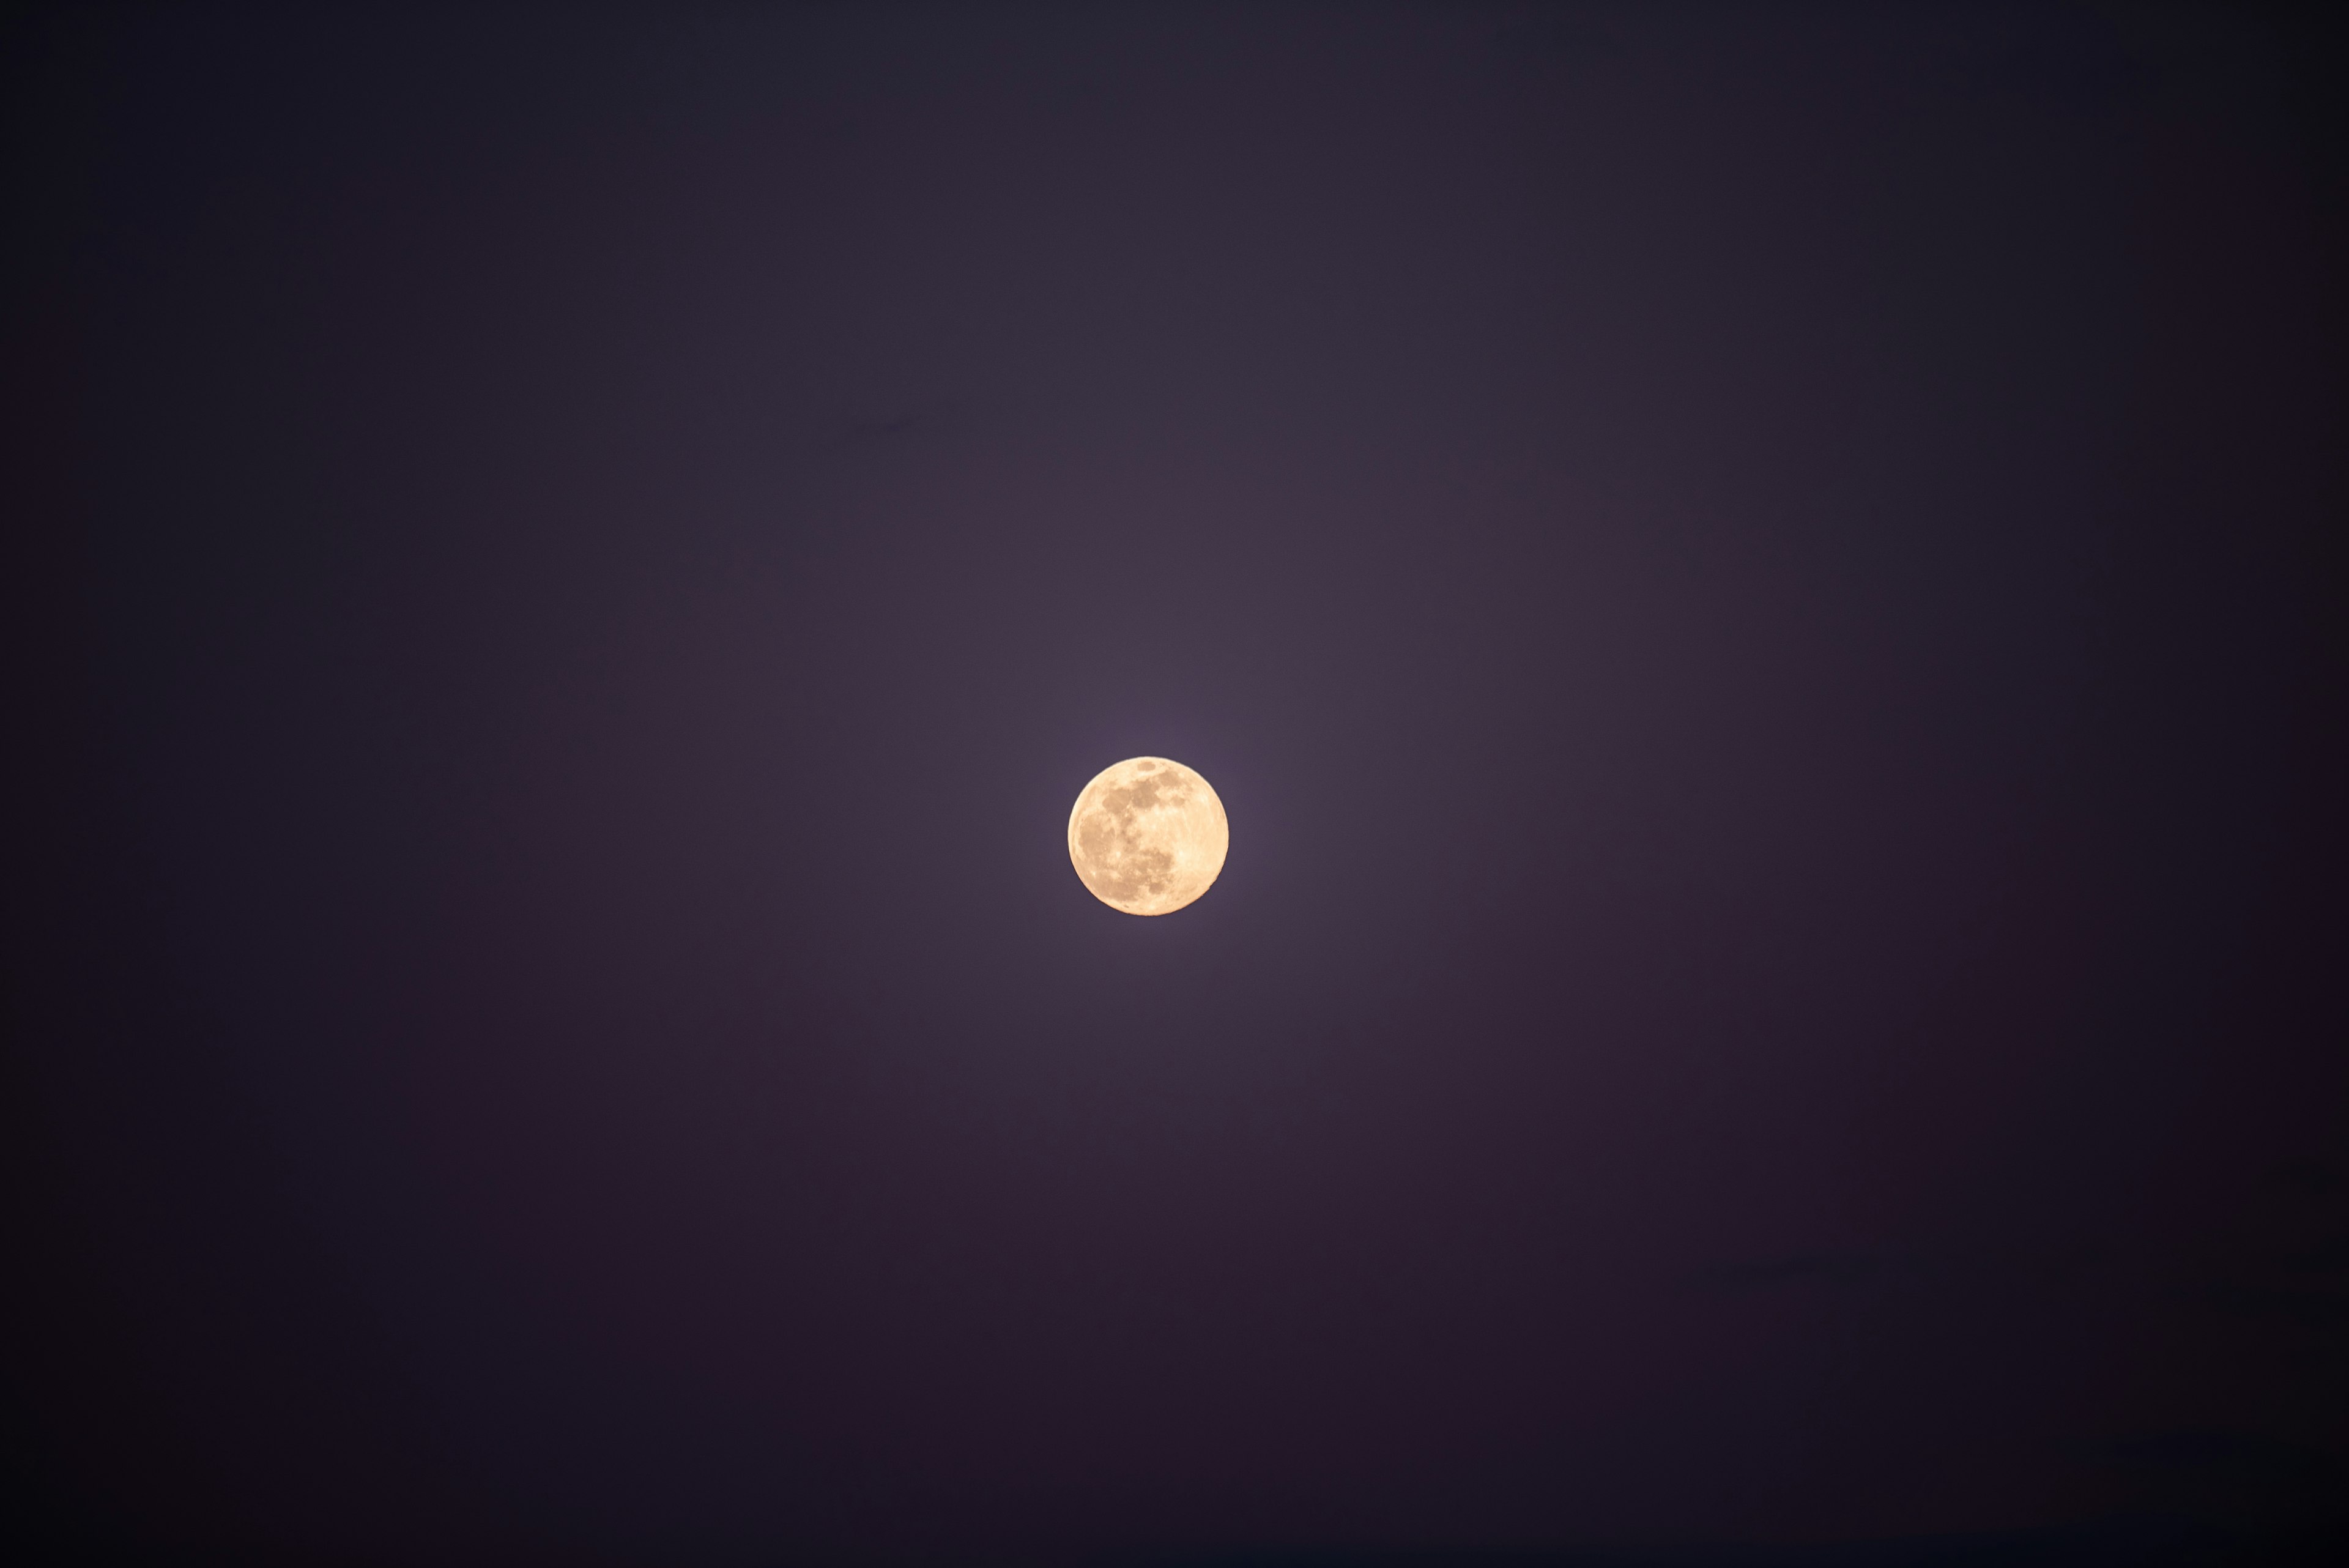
1147,835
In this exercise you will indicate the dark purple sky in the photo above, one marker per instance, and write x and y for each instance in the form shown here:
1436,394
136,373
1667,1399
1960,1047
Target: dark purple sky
1752,581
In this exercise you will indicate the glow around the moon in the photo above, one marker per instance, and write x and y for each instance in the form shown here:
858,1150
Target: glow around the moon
1147,835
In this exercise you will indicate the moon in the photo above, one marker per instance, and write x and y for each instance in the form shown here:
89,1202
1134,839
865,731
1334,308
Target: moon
1147,835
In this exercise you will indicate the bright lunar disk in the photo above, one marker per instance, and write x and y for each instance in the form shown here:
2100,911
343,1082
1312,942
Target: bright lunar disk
1147,835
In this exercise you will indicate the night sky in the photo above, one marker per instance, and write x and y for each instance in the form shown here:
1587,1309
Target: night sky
1759,585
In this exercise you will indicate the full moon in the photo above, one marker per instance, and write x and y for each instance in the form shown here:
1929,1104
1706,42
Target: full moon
1147,835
